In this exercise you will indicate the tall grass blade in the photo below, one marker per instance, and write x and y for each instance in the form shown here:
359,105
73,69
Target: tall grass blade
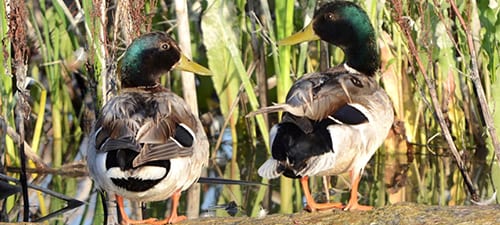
216,25
284,22
189,94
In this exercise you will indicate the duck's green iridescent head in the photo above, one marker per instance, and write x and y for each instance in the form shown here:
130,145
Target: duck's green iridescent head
346,25
151,55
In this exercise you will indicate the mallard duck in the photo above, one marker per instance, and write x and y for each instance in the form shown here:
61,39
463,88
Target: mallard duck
333,121
147,145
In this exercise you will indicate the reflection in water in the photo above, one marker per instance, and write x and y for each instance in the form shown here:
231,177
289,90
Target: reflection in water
421,176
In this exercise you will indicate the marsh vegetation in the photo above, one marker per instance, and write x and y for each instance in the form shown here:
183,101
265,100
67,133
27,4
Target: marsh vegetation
440,67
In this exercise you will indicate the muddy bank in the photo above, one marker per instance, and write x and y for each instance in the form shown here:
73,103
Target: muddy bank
403,213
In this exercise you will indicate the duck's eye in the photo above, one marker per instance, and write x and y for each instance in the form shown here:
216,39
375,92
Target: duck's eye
356,82
330,16
165,46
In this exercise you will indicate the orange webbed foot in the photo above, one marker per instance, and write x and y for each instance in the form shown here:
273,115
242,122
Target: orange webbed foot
311,204
176,219
357,206
170,220
127,221
312,207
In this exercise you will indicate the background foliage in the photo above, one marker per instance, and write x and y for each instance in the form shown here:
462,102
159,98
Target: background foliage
70,50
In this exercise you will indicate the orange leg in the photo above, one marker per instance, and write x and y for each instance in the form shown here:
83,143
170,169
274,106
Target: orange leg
174,218
353,201
311,204
125,219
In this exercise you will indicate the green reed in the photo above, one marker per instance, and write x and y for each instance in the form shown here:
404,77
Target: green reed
224,30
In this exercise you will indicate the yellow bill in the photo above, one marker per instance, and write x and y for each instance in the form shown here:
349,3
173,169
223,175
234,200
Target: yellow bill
190,66
306,34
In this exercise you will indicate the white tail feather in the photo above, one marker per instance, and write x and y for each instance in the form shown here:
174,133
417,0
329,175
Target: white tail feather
269,169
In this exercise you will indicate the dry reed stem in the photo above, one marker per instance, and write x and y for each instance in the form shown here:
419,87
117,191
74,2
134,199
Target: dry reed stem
189,93
397,7
488,119
17,34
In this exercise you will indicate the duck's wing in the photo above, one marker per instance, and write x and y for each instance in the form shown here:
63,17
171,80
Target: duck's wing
156,127
315,96
319,95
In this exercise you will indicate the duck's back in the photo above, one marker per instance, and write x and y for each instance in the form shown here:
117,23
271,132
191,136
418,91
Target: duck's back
148,144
